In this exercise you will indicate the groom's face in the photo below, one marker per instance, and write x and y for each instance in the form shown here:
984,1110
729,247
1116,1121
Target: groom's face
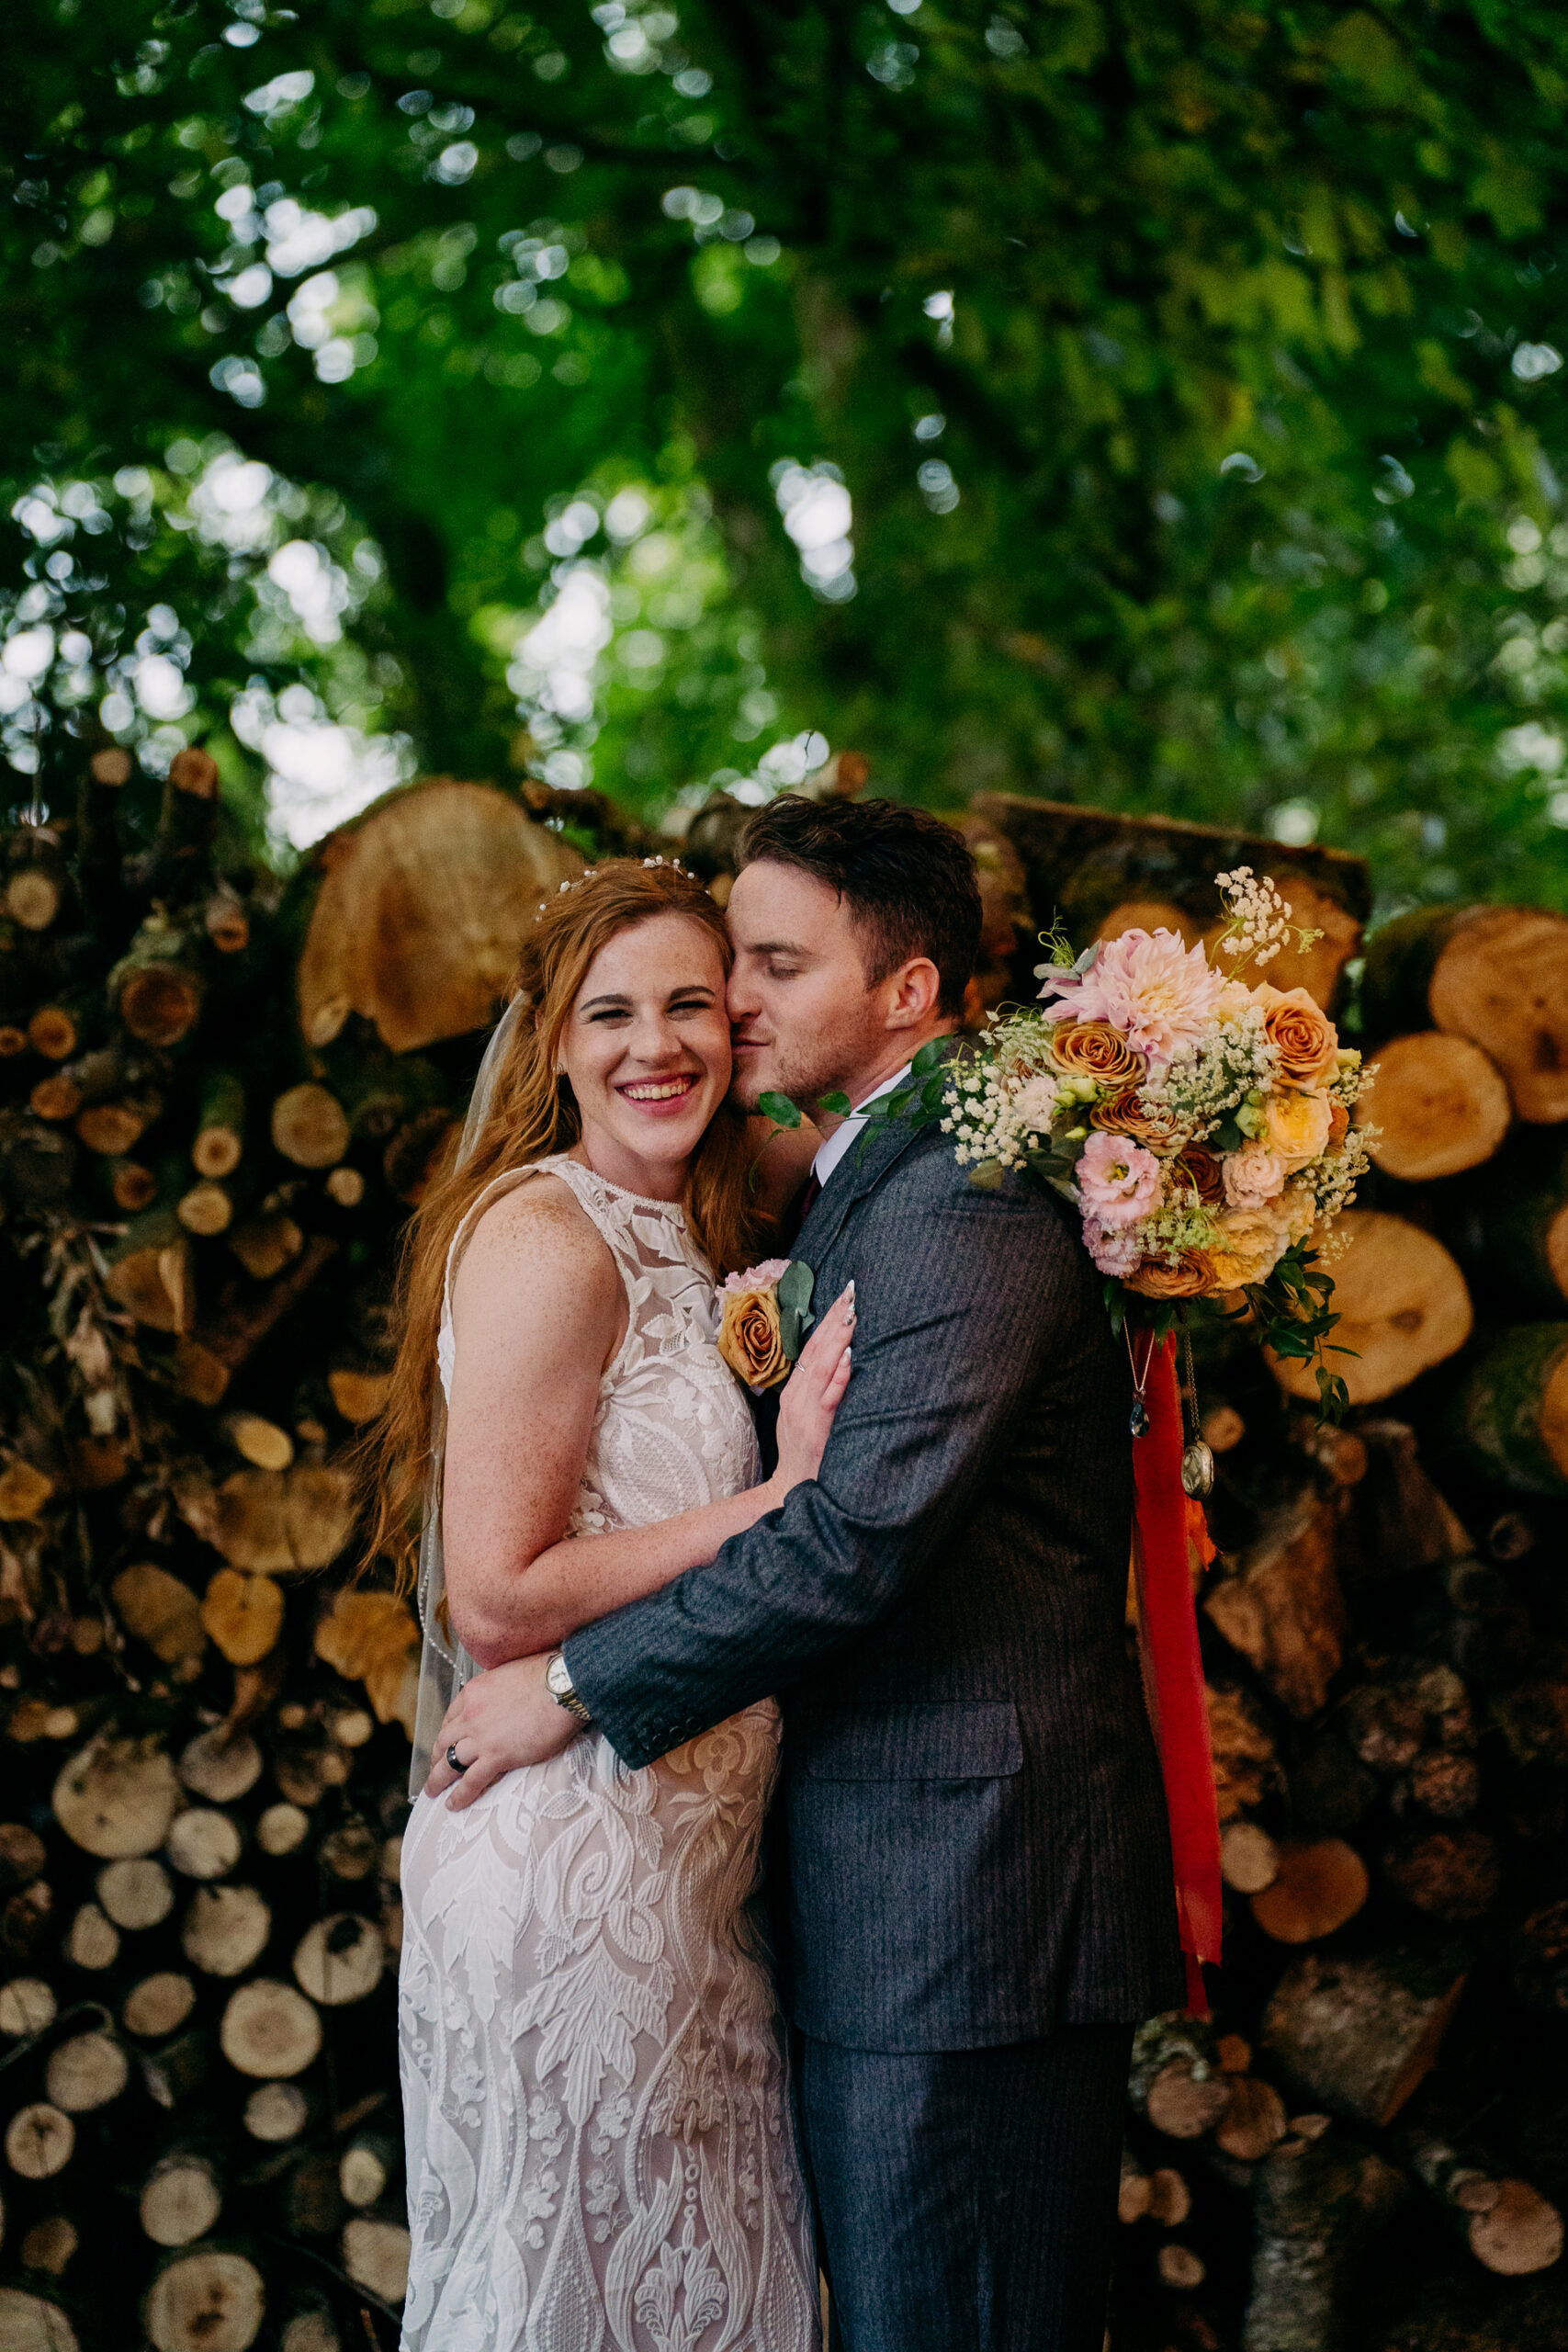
805,1022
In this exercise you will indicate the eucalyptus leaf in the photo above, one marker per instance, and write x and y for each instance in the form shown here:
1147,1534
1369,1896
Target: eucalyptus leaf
796,1285
931,1056
839,1105
988,1176
780,1109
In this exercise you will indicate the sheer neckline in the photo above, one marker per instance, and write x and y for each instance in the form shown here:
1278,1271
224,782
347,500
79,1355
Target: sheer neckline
672,1209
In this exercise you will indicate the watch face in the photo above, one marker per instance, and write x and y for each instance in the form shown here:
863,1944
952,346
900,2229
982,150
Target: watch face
556,1678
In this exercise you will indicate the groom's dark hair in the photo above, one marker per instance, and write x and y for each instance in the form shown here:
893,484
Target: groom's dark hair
907,878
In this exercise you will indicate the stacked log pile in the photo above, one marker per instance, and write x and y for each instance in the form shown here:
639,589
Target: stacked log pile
1375,2118
217,1101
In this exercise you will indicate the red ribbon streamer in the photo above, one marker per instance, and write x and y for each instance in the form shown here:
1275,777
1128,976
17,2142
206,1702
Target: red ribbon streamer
1173,1669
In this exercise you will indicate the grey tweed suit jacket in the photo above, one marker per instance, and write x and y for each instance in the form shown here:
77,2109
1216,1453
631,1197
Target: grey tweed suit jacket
976,1847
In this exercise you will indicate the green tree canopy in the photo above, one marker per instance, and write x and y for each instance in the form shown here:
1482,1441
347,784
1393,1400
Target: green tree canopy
1158,403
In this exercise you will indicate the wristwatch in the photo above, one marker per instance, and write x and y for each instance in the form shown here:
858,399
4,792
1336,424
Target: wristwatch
557,1683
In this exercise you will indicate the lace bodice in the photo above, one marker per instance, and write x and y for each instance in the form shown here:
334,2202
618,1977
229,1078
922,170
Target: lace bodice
601,2153
672,1430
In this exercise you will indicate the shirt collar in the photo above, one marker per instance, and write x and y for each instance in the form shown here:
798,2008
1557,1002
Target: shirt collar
839,1142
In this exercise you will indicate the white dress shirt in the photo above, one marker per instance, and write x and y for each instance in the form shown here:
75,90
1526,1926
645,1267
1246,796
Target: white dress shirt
839,1142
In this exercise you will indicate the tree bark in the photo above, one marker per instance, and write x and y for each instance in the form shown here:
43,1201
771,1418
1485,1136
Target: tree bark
1316,2206
1511,1415
1359,2034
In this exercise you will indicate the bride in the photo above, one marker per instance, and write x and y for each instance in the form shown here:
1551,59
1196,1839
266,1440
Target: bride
601,2153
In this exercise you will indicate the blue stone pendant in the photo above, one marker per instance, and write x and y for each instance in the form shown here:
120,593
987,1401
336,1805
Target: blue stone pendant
1139,1418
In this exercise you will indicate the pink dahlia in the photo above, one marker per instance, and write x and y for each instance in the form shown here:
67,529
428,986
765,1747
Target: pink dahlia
1159,994
1113,1253
1118,1181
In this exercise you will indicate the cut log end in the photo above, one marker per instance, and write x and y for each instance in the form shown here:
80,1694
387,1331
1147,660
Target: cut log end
269,2030
276,2112
39,2141
1440,1104
205,2301
376,2255
180,2200
1521,2232
309,1127
1501,980
159,1003
1320,1884
1403,1307
159,2005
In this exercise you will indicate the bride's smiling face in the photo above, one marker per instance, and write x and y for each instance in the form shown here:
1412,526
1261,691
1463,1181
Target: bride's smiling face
646,1046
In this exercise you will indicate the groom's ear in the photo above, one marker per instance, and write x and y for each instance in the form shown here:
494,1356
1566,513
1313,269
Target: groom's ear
912,993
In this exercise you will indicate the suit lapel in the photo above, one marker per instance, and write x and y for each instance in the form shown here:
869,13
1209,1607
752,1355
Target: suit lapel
860,1171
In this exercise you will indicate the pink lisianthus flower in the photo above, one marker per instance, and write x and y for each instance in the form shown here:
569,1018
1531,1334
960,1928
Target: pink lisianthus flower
762,1277
1252,1176
1118,1181
1159,994
1113,1253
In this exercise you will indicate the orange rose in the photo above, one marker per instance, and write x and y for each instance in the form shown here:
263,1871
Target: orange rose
1300,1031
1123,1115
750,1340
1184,1277
1094,1049
1204,1171
1339,1125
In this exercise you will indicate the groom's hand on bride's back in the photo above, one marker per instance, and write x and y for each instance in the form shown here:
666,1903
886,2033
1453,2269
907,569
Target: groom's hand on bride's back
502,1719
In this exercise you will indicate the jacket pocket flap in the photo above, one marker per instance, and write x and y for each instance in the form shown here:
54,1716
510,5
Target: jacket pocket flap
959,1741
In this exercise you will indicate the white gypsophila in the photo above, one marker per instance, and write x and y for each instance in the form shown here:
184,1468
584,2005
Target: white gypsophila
1203,1085
1332,1180
1003,1096
1349,1077
1259,919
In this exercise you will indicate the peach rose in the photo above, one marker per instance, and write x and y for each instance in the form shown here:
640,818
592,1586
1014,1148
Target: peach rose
1187,1275
1297,1210
1122,1113
1296,1126
1253,1175
1339,1125
1094,1049
750,1340
1301,1034
1248,1246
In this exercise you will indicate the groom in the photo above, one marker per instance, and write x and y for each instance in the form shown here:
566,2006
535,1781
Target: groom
978,1876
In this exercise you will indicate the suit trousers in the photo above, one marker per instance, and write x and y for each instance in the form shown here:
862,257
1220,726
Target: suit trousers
965,2200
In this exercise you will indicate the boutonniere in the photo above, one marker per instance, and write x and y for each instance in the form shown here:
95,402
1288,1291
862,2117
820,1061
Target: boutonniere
767,1314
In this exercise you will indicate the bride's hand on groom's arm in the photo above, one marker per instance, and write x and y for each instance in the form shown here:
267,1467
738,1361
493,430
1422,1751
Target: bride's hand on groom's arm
812,1395
500,1719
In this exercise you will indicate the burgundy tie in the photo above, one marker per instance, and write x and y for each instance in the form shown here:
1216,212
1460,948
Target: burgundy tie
810,1194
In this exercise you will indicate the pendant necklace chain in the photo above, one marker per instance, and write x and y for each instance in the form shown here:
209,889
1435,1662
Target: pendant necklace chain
1197,1461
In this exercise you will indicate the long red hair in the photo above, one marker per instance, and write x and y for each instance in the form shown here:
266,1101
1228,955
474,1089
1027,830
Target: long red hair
532,1114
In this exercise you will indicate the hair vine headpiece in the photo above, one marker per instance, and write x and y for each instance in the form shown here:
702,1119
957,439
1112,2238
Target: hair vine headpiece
590,874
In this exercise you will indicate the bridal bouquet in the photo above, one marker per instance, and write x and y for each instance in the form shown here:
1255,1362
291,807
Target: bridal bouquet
1201,1123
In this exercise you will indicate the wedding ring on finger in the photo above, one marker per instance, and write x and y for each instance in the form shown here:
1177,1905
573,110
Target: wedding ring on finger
452,1759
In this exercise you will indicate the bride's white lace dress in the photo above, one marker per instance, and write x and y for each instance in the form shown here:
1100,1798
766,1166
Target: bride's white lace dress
601,2154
